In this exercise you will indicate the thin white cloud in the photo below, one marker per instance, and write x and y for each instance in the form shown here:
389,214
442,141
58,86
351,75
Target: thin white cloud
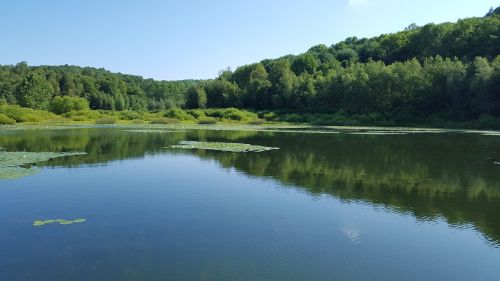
357,2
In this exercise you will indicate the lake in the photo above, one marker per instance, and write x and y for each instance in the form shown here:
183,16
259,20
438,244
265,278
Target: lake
326,205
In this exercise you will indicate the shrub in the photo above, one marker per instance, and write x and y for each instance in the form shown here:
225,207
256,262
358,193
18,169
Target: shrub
257,121
231,114
196,113
60,105
6,120
83,114
270,116
164,120
23,114
213,112
79,118
106,120
178,113
138,121
207,121
293,118
130,115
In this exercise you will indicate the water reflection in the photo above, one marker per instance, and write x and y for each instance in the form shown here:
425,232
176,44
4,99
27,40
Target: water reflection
449,176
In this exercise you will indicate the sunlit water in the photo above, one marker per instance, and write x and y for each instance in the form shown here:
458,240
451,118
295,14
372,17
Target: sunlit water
323,207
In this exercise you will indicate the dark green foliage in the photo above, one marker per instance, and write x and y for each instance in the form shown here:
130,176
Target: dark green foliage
196,97
304,63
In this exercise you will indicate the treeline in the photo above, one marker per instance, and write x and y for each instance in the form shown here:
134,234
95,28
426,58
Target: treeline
37,86
402,91
450,70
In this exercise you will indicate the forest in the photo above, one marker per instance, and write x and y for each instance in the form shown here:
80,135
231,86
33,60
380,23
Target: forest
447,71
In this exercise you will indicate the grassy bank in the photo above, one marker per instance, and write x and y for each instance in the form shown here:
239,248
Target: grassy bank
14,114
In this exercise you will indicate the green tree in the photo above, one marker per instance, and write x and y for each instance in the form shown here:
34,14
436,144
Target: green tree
305,63
196,97
479,87
284,84
34,92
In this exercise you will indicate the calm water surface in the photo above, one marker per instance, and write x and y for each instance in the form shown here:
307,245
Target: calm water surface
323,207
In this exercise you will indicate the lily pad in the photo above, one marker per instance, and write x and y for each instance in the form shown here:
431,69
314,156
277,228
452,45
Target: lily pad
11,162
59,221
222,146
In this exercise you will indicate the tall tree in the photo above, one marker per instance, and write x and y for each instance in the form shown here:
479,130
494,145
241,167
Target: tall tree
34,91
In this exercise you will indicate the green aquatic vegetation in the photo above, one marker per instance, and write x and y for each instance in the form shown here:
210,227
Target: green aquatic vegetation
8,173
149,131
59,221
11,163
222,146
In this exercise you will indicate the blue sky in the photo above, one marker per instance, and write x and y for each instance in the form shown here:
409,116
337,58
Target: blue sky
171,40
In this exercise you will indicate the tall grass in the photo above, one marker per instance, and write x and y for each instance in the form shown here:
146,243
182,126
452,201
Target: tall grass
23,114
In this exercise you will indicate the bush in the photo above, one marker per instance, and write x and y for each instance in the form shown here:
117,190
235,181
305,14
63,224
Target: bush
23,114
196,113
257,121
82,115
130,115
293,118
231,114
60,105
138,121
164,120
270,116
207,121
79,118
6,120
178,113
106,120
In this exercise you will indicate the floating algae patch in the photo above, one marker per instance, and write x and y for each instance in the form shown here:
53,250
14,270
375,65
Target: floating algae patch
222,146
7,173
59,221
11,162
